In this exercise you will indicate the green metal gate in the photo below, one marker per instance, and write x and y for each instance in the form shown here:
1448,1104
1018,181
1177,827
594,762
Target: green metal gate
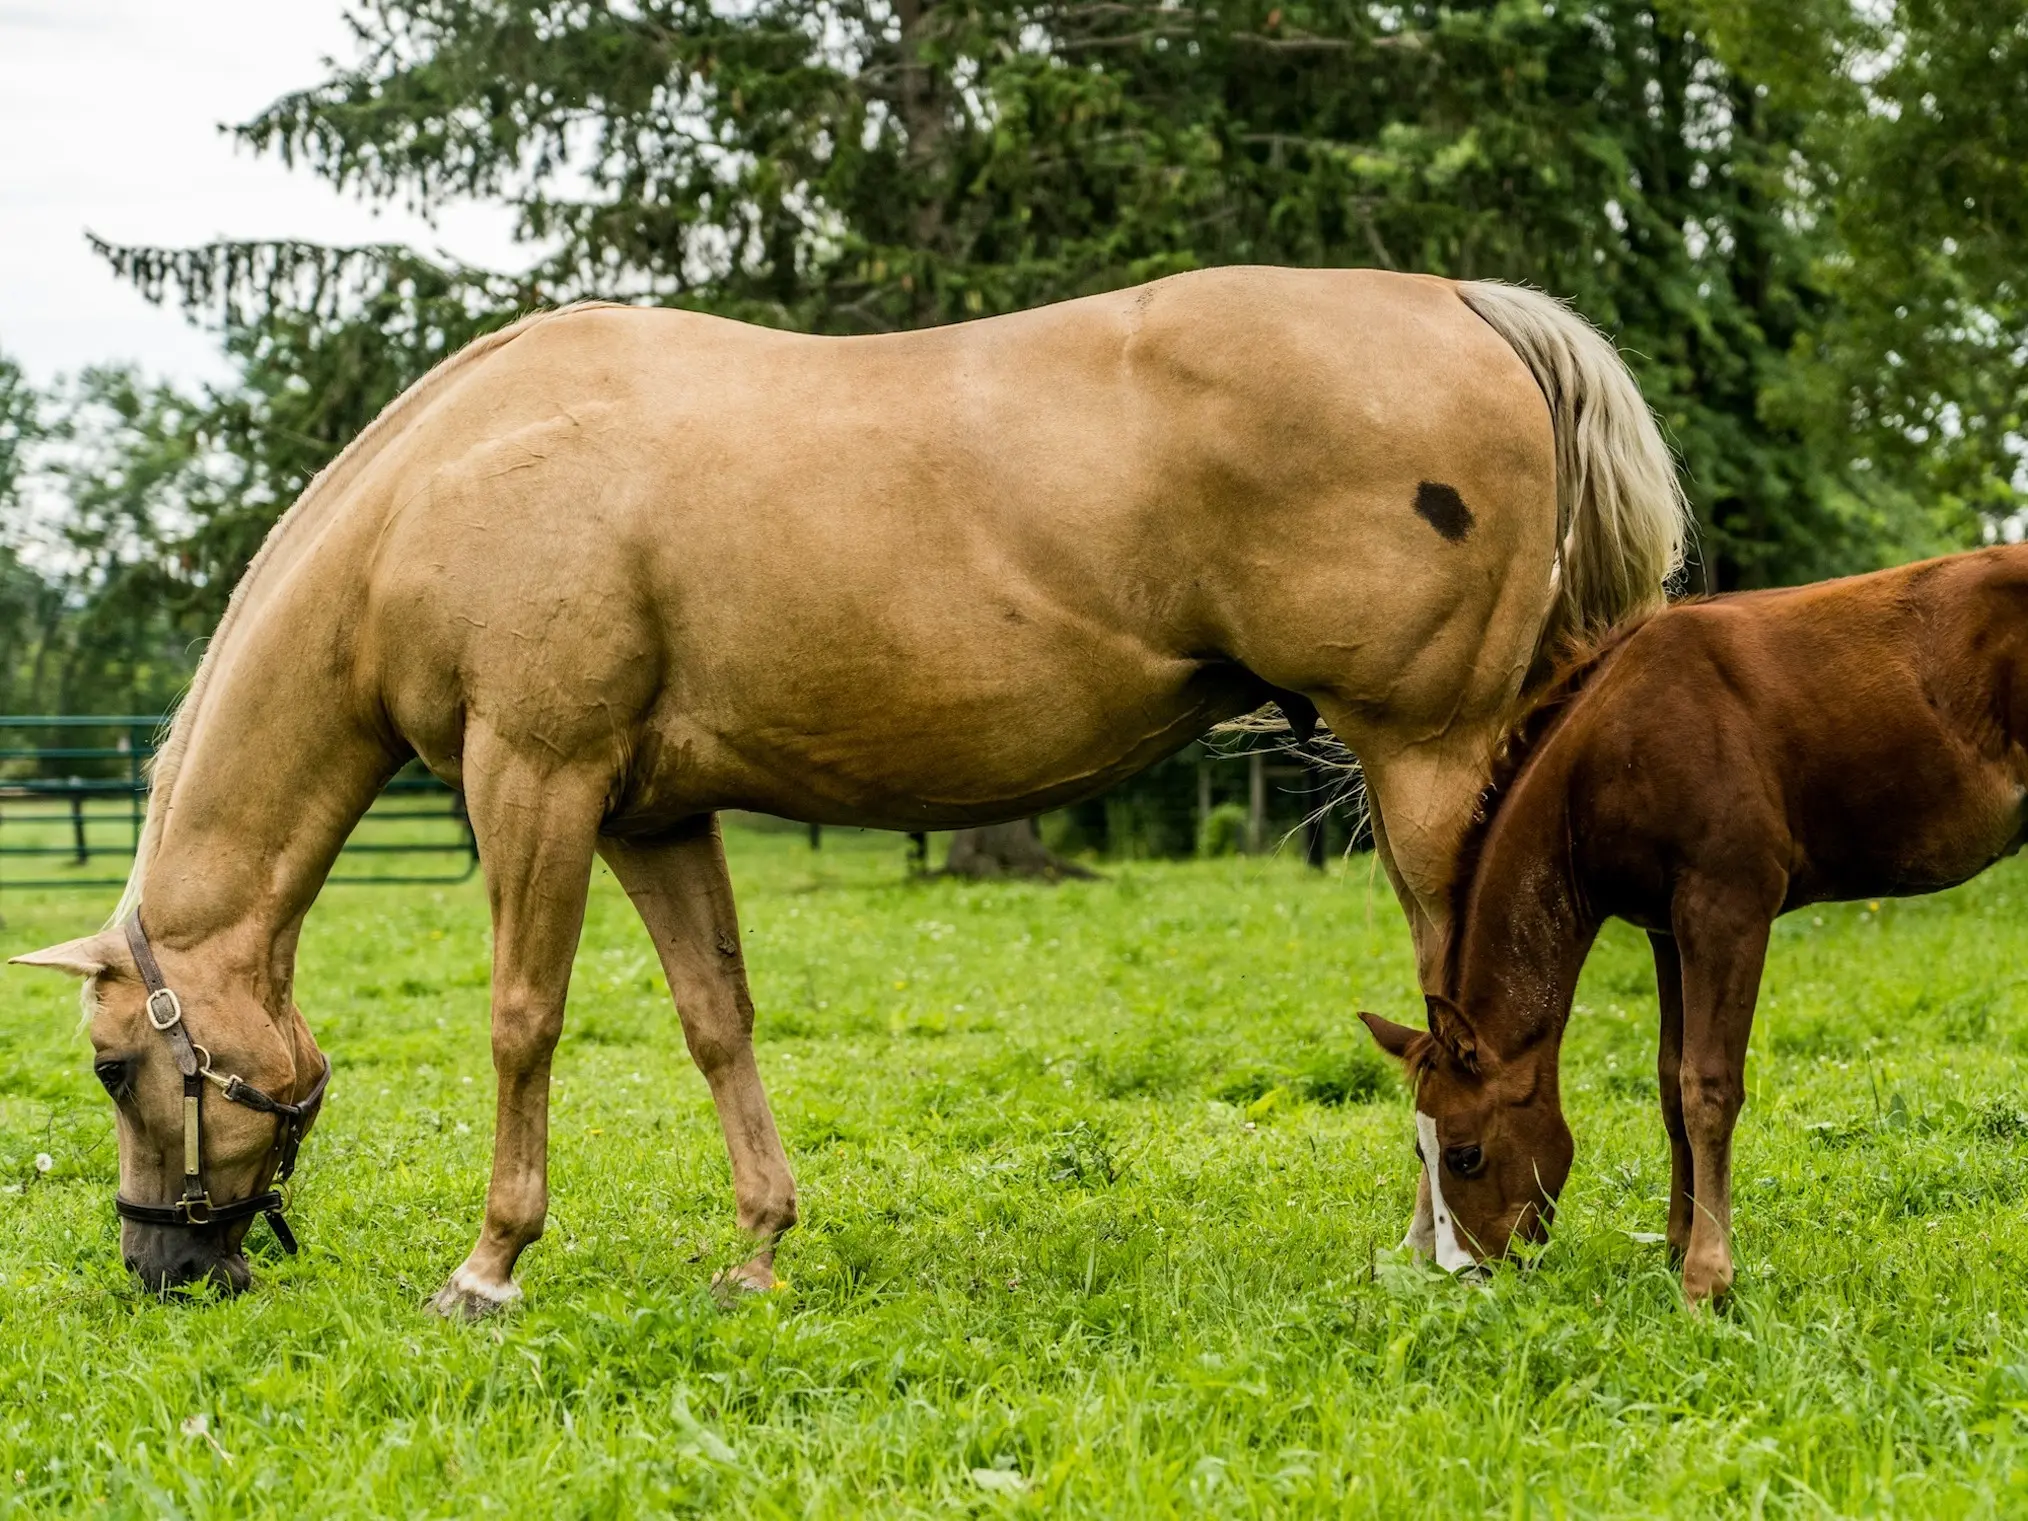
72,805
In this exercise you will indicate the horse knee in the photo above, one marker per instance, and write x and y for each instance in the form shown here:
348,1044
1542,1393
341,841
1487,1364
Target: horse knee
715,1050
718,1030
525,1032
1710,1102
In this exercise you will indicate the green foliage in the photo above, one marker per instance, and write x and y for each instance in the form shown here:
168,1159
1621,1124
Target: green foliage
1803,223
28,603
1038,1241
1222,831
1710,181
96,480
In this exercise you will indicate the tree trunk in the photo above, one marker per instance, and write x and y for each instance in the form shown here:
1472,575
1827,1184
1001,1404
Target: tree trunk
1008,850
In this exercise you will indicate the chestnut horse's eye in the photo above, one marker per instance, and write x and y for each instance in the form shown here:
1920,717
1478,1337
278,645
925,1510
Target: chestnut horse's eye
117,1076
1464,1160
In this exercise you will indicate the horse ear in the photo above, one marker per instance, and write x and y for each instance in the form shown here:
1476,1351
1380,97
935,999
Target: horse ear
86,957
1396,1040
1452,1030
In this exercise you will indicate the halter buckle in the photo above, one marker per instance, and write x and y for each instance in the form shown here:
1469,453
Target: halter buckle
196,1211
167,999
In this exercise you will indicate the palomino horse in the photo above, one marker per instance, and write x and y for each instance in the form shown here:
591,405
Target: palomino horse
1719,764
612,569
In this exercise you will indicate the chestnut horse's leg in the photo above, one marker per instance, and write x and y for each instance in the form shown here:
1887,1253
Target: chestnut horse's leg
535,825
1669,1071
680,886
1721,935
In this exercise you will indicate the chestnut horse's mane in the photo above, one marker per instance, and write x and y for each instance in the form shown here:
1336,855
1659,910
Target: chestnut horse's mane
1570,675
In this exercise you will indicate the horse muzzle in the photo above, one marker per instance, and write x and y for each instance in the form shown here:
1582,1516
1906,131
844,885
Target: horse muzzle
166,1258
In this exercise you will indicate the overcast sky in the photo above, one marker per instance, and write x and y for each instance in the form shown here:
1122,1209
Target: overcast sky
109,115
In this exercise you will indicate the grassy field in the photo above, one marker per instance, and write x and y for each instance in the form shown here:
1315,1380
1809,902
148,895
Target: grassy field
1100,1184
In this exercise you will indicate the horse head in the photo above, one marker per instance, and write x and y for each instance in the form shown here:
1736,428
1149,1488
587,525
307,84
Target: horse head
212,1091
1490,1137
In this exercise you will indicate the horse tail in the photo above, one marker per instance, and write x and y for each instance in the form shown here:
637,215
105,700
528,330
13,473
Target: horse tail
1621,517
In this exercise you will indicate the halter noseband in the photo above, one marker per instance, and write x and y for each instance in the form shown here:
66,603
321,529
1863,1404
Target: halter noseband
195,1209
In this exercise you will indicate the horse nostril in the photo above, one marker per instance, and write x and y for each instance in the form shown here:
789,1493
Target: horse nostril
164,1265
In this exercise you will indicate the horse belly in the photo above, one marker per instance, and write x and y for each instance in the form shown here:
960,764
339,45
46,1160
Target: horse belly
1933,827
905,749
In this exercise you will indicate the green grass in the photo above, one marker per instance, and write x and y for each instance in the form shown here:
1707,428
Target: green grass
1099,1185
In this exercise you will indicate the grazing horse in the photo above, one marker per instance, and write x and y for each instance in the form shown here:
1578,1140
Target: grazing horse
613,569
1698,773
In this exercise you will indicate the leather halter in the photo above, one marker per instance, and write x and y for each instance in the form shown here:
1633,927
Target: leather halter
195,1209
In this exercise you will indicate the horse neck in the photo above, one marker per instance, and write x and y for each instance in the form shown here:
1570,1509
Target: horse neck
278,767
1527,925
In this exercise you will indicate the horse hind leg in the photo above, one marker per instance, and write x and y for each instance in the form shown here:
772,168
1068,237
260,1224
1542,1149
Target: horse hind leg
535,822
1432,793
1422,801
680,886
1669,1079
1721,934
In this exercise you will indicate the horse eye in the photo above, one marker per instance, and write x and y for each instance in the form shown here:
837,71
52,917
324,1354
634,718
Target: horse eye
117,1076
1464,1160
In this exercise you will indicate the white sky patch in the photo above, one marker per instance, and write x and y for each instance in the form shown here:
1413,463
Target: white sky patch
109,116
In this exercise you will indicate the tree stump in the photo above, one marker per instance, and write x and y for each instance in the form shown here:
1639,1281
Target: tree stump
1008,850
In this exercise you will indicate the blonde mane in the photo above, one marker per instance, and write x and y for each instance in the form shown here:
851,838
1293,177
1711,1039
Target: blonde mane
323,487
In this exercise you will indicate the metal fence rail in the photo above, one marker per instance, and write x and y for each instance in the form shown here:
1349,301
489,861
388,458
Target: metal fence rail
81,796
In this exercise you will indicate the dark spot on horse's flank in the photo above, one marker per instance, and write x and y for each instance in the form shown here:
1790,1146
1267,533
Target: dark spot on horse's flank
1444,510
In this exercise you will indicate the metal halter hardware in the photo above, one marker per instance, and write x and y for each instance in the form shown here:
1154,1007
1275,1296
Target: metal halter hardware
195,1209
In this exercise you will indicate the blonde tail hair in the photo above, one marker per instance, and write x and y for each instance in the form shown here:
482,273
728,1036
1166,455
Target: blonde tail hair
1622,520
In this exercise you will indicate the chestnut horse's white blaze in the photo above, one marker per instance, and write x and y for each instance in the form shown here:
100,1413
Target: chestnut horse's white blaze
1441,1232
612,570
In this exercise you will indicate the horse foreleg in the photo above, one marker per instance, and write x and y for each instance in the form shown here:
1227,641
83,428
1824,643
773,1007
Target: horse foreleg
1669,1077
684,895
535,829
1722,938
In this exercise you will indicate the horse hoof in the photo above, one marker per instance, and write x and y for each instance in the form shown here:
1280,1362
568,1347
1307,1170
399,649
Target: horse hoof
468,1298
1708,1289
755,1277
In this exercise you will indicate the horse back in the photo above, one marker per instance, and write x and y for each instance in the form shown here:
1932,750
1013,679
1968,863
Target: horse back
1860,737
1001,563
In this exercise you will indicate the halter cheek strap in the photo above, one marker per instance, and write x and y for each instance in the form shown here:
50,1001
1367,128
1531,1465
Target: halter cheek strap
195,1208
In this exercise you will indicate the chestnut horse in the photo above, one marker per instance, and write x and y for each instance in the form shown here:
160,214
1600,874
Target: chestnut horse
613,569
1698,774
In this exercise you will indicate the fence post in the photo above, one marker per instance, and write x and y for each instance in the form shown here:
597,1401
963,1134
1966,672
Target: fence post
1256,802
1320,812
82,852
137,786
